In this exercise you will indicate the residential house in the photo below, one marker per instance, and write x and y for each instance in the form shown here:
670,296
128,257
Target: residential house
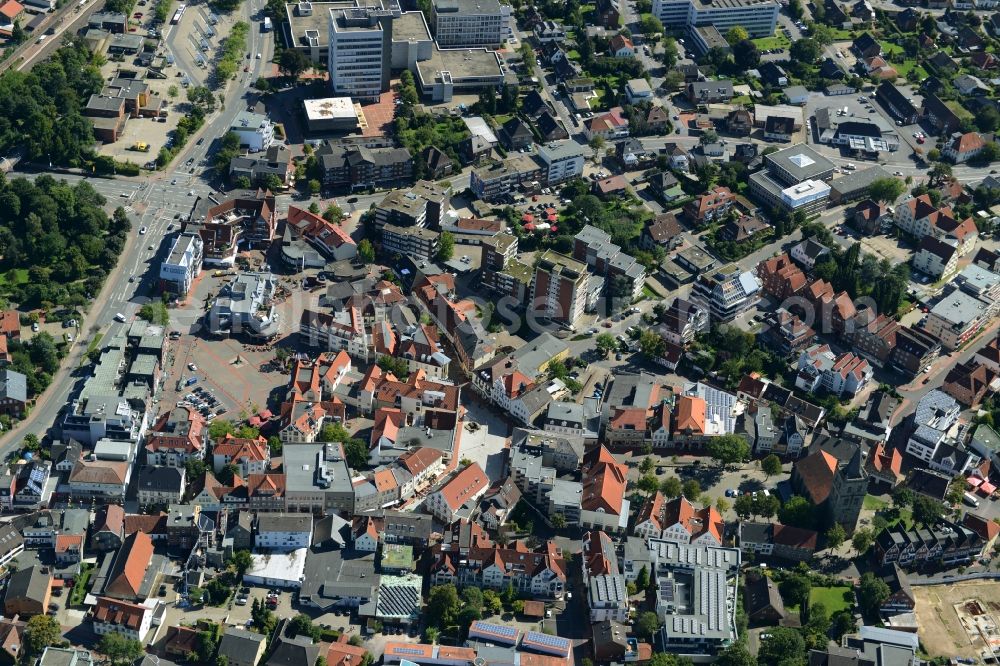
964,147
28,592
709,206
775,540
677,520
458,494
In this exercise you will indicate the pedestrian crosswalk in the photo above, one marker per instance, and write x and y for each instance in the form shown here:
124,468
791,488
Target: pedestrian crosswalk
129,209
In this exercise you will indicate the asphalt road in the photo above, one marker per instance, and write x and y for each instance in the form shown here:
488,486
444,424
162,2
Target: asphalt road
152,202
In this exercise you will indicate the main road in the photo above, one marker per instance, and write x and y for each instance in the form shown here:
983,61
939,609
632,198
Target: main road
152,202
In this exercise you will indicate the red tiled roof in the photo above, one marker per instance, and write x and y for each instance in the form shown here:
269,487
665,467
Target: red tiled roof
137,549
795,537
121,613
603,483
419,459
690,415
464,485
816,472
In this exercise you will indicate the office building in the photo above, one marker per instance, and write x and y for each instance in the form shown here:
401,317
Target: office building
254,130
358,48
469,23
182,265
727,292
696,596
758,17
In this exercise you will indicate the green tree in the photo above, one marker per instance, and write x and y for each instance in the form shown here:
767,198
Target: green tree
446,246
642,580
872,593
442,605
155,312
736,34
314,187
597,145
492,604
805,50
650,25
366,252
40,632
746,55
795,589
605,343
886,190
648,484
119,650
728,449
333,214
293,62
835,536
172,92
692,489
274,445
646,466
926,511
771,465
647,624
862,540
652,345
671,487
784,647
798,512
737,654
241,561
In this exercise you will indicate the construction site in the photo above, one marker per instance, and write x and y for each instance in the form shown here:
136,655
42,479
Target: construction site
960,620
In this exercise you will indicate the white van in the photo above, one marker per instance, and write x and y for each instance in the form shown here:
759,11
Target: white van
120,317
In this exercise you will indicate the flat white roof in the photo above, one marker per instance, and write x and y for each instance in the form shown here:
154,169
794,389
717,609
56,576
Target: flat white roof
330,107
805,190
288,567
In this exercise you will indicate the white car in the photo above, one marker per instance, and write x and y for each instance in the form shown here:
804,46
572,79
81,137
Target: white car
35,327
142,230
192,367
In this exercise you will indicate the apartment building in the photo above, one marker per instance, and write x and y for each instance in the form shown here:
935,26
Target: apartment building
957,317
414,242
562,289
709,206
594,247
493,181
562,160
422,205
458,495
501,271
469,23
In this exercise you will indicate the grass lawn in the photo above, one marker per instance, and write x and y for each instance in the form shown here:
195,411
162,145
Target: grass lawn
873,503
741,99
573,54
831,597
776,41
904,67
79,590
20,276
841,35
892,49
959,110
649,293
96,341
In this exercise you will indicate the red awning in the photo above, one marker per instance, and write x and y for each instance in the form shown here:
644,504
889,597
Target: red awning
529,227
254,421
528,217
265,415
973,481
987,488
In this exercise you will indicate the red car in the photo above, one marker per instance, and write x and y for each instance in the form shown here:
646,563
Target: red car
920,139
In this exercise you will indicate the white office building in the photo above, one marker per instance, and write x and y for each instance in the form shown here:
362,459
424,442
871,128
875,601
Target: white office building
469,23
182,265
357,51
255,131
758,17
563,160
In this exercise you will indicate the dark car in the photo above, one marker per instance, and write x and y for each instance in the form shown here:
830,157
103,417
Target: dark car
200,141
